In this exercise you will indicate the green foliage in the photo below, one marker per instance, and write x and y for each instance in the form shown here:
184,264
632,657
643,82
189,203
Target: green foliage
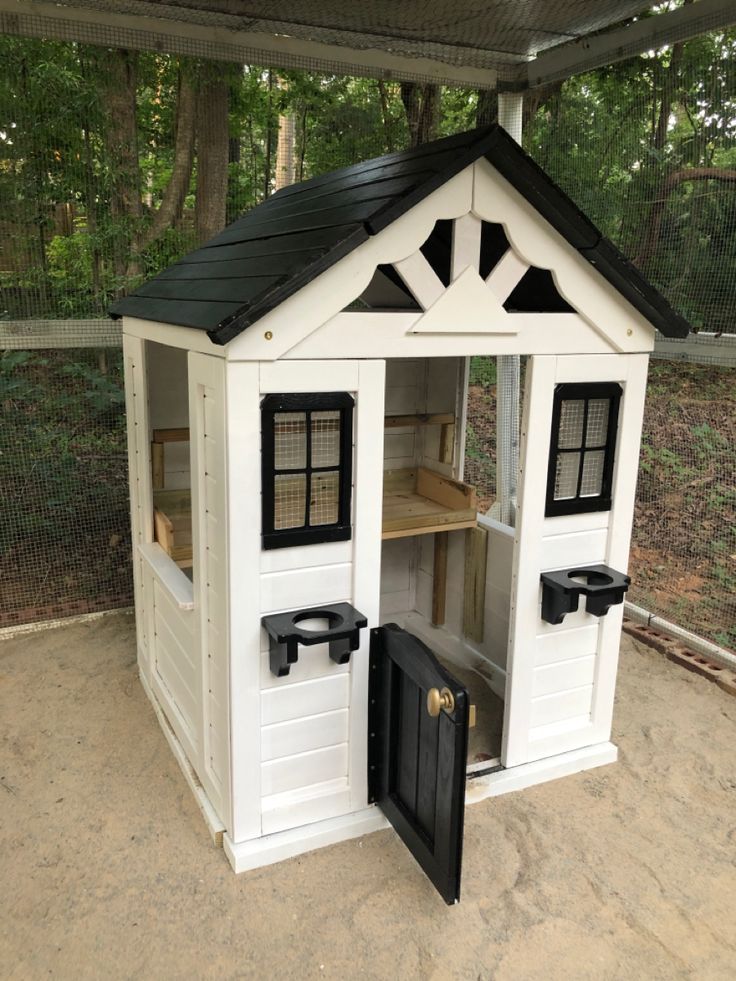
482,371
62,444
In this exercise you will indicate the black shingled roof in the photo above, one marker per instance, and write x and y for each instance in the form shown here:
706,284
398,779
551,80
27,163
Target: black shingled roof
277,248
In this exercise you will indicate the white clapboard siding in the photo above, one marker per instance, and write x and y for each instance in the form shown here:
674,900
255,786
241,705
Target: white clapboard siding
304,770
175,676
314,662
295,701
208,429
562,676
295,808
576,672
572,704
306,587
563,551
306,556
302,735
566,642
141,506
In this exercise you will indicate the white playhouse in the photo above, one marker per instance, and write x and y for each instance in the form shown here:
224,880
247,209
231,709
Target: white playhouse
322,613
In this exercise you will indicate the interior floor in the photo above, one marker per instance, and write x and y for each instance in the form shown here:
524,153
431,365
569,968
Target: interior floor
484,738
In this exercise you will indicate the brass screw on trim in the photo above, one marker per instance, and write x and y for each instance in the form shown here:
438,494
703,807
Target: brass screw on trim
268,335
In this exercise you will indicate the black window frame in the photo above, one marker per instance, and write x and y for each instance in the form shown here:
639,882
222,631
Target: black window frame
585,392
306,402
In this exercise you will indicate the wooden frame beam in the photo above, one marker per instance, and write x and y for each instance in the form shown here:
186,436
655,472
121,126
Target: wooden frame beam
156,29
607,48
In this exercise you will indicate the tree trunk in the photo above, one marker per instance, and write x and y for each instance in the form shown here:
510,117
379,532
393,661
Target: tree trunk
422,105
487,109
652,225
388,129
172,203
213,139
285,145
269,123
122,148
285,153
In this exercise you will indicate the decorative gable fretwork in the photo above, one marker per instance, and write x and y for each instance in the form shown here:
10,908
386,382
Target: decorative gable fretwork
464,265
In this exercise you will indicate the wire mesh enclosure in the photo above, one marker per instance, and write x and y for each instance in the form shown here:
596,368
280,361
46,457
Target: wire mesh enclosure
115,162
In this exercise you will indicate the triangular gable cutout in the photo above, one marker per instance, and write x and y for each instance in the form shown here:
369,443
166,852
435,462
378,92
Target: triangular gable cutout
466,307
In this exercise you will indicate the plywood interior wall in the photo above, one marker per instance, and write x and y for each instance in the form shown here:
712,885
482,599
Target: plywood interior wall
168,407
414,386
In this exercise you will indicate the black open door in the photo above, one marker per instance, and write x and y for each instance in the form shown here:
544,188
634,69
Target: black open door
418,745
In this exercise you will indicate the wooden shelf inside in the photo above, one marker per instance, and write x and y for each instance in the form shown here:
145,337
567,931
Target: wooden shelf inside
418,501
172,524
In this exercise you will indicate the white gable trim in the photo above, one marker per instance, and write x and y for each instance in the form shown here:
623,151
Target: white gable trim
536,242
187,338
312,324
467,306
391,335
327,295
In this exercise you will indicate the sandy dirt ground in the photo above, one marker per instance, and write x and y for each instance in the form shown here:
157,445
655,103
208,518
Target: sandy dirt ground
106,870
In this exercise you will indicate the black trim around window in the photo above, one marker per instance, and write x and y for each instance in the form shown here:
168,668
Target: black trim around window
585,392
306,534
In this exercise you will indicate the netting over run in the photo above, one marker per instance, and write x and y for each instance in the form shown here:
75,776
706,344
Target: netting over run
115,161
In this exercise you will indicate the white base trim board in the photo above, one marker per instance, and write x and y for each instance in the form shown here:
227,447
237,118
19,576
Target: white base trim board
540,771
257,852
215,827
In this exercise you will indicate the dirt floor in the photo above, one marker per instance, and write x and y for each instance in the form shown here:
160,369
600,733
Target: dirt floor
106,869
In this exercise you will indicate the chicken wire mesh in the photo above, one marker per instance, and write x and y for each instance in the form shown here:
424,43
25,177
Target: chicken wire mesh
646,147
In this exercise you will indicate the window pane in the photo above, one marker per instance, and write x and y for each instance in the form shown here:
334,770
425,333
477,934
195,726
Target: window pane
323,507
566,476
290,441
592,482
289,501
597,422
326,439
571,424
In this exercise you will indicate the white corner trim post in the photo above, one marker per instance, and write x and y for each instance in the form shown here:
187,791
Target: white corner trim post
510,106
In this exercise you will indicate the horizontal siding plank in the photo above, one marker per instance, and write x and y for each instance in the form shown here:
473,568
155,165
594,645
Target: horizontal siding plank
314,662
302,735
306,556
306,698
565,675
550,648
296,588
293,772
296,808
576,548
547,709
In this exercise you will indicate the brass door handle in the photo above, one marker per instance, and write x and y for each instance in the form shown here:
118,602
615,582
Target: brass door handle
438,700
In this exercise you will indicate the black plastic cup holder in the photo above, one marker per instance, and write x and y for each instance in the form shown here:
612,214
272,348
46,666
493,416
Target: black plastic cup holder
285,634
601,586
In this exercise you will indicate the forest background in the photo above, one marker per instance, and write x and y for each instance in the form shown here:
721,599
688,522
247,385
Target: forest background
114,164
